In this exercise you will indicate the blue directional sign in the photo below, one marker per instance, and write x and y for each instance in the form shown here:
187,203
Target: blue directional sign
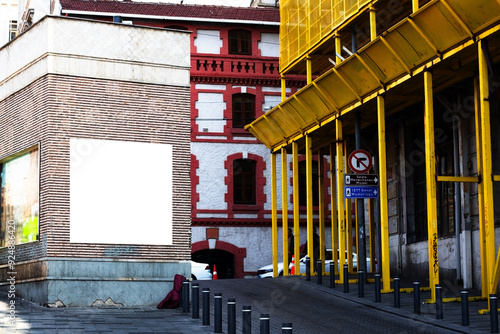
360,192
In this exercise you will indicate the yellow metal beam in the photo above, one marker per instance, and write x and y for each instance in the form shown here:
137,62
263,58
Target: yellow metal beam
348,218
283,89
296,205
496,178
338,48
274,215
321,213
414,5
284,209
384,212
487,179
348,232
333,208
309,193
430,169
469,179
373,23
340,197
371,229
459,20
496,272
480,192
309,70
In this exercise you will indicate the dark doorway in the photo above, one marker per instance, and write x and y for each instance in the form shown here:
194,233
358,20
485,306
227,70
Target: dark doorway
224,261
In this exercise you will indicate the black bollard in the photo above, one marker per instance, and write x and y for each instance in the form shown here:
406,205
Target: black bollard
218,313
185,296
206,306
247,319
493,313
319,272
361,285
397,297
464,300
195,296
264,324
439,302
308,268
286,328
231,316
346,278
332,275
416,297
377,288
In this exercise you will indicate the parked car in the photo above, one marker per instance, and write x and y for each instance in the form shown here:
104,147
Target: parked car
200,271
267,271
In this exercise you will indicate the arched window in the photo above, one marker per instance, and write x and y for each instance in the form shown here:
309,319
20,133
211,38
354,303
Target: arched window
244,182
240,42
243,109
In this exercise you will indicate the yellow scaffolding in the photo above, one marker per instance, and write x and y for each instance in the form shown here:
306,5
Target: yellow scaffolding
429,36
430,177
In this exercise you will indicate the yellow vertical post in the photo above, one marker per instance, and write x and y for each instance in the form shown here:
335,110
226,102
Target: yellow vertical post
356,221
348,233
430,177
284,209
371,229
296,206
338,48
384,213
415,5
309,192
321,214
373,23
480,192
487,177
309,70
348,219
333,208
274,214
340,197
283,88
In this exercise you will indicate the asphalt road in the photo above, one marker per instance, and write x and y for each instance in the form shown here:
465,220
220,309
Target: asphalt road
317,309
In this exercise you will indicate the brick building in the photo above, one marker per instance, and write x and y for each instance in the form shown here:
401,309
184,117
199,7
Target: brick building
94,162
234,79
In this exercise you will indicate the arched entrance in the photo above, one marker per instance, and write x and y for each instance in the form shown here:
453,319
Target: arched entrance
227,257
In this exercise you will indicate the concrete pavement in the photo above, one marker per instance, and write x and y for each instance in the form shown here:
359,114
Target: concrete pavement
310,307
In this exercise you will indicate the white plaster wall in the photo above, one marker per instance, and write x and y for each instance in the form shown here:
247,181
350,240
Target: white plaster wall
211,108
208,41
269,45
131,54
8,12
211,171
270,101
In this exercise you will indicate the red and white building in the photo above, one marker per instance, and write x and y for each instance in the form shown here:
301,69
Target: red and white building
234,79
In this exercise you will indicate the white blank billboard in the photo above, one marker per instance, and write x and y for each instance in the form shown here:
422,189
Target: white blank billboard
120,192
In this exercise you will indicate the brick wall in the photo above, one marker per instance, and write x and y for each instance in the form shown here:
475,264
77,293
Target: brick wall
55,108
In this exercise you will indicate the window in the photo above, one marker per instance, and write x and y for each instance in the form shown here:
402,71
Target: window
243,109
240,42
244,182
303,183
19,198
12,30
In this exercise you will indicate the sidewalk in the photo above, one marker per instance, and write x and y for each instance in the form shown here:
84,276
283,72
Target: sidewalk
310,307
33,318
